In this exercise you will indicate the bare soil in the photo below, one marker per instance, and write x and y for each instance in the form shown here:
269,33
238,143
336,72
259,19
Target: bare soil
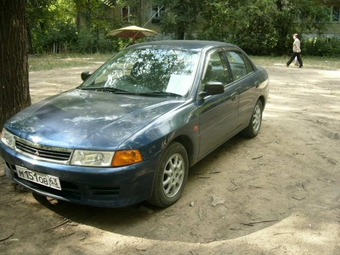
276,194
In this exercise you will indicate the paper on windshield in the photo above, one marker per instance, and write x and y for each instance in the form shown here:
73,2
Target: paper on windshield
179,84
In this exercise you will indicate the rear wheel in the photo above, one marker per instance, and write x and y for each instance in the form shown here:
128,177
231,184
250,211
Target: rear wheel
171,176
255,121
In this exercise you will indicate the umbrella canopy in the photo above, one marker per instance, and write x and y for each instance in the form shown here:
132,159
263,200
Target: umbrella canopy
132,32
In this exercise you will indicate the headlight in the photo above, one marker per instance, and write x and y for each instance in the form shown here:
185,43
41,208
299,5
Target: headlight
92,158
106,158
8,139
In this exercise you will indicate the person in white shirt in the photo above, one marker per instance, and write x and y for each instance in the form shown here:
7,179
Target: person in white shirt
296,51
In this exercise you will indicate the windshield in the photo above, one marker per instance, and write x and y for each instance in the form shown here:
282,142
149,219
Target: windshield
148,71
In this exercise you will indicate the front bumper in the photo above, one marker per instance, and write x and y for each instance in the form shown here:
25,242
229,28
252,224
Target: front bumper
102,187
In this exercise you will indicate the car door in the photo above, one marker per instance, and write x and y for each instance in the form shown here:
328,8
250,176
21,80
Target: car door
243,75
218,113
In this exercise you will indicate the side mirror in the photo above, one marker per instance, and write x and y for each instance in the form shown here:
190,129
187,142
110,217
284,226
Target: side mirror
212,88
85,75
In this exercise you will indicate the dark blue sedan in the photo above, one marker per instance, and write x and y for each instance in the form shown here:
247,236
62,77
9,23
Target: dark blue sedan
131,131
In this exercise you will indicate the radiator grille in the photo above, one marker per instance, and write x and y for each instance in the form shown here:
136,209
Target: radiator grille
43,152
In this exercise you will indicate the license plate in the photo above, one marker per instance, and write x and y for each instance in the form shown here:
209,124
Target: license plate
42,179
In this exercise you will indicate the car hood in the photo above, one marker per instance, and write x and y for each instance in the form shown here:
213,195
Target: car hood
88,119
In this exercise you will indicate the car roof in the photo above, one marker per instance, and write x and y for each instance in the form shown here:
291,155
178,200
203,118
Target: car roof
184,44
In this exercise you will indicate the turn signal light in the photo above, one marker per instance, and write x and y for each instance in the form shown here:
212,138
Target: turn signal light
128,157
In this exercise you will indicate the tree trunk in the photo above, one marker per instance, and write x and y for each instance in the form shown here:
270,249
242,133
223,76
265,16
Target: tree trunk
14,87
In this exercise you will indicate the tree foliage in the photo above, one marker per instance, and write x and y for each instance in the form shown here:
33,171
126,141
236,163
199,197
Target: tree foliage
72,25
92,35
298,16
181,17
249,25
50,21
261,27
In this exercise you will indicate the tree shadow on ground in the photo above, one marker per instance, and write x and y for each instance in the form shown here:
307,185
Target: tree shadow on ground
203,214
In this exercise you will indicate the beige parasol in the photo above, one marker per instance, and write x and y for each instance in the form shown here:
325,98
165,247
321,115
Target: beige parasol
132,32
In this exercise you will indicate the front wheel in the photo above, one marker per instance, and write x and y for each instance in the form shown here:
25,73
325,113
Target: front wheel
255,122
171,176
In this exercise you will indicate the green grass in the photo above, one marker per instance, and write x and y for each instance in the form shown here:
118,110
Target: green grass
53,61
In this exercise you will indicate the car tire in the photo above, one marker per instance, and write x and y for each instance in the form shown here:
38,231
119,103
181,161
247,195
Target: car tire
255,122
171,176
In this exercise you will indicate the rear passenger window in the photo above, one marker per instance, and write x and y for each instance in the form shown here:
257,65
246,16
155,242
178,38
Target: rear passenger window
239,65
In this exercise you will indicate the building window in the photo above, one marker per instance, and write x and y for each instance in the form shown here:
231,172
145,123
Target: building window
126,14
157,13
336,13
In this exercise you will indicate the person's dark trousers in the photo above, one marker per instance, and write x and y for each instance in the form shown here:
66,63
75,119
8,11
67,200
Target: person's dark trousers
295,54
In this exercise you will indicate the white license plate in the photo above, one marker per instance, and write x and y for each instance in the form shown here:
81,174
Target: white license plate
43,179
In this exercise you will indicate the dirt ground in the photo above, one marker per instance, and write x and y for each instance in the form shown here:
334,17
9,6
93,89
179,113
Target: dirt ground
276,194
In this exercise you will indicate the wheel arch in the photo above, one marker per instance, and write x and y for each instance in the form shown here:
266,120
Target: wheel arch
188,145
263,101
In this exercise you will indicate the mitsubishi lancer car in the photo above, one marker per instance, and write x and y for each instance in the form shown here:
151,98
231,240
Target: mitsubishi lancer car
132,130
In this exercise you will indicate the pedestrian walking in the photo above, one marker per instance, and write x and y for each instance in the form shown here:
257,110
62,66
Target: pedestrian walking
296,51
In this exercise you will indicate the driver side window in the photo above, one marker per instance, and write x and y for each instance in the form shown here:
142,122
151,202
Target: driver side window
216,69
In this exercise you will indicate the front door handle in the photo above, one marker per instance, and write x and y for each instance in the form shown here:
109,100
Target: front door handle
233,96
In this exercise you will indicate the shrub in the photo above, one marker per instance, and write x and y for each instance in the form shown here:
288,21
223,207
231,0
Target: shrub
321,46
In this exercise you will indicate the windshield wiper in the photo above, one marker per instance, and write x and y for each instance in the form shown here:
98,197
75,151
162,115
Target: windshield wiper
161,93
104,89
